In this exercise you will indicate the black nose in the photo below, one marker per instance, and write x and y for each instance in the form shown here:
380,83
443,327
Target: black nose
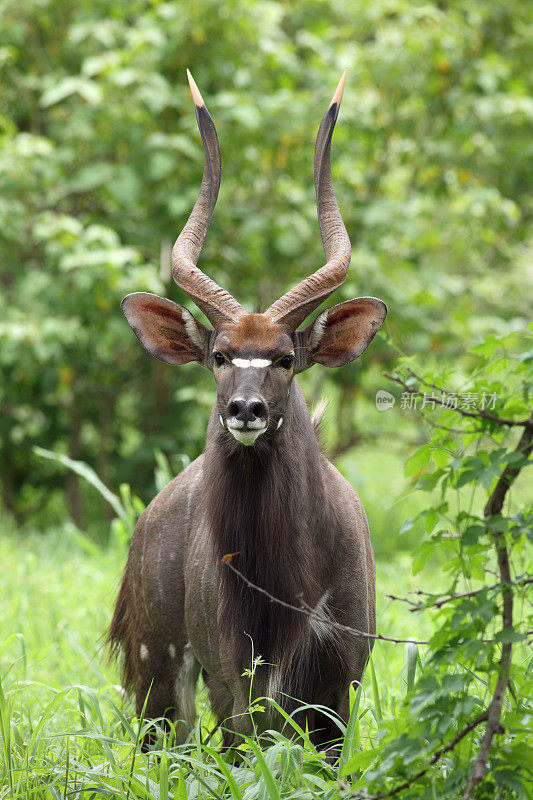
247,409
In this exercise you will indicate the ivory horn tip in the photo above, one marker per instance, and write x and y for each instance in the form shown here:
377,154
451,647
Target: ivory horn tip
195,92
337,97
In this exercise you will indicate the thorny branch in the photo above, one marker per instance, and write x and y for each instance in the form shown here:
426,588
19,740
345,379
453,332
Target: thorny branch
309,612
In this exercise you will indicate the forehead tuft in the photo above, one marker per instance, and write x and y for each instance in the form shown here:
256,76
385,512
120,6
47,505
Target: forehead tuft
253,333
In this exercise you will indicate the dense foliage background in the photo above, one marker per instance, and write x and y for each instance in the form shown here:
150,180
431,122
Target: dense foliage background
100,163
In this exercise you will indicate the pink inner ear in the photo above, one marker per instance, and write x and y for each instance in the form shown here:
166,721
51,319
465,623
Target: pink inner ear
161,311
162,328
343,315
349,328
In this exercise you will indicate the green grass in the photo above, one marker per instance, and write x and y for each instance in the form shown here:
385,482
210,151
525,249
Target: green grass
68,730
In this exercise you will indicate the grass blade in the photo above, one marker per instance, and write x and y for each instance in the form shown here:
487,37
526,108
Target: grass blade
232,783
350,738
270,781
85,471
411,655
375,692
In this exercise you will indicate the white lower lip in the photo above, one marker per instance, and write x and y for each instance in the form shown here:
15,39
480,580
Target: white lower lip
246,438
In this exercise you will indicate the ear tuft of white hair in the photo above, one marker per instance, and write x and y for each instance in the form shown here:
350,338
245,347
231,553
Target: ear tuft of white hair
318,412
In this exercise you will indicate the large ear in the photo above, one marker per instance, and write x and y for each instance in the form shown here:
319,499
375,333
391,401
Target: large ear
341,333
168,331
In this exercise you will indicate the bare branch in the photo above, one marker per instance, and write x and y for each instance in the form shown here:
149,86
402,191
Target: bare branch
431,603
416,606
226,560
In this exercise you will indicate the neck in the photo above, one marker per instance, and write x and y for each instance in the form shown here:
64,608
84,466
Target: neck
265,503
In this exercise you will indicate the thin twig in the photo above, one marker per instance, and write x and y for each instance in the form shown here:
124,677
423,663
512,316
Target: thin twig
313,614
404,600
478,413
449,599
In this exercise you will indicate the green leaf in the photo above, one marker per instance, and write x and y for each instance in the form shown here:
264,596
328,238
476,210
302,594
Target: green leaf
428,480
471,534
359,761
407,525
270,781
511,779
86,88
509,636
422,554
181,789
418,461
431,518
440,457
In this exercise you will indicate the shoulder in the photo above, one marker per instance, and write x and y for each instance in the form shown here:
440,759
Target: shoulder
176,497
342,495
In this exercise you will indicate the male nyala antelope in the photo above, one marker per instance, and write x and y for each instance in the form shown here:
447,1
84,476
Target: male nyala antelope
261,490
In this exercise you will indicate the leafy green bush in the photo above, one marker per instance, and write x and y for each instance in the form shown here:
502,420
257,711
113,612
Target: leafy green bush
465,725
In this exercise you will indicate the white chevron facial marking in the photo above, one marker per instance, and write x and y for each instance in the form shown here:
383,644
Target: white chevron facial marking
221,420
280,423
143,652
256,363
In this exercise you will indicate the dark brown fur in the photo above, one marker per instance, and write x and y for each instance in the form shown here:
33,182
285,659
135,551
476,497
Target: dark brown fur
276,505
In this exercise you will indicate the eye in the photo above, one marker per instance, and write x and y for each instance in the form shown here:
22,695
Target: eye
219,359
286,362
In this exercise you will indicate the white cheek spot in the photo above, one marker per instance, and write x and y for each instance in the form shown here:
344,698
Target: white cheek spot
256,363
280,423
143,652
221,420
171,651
